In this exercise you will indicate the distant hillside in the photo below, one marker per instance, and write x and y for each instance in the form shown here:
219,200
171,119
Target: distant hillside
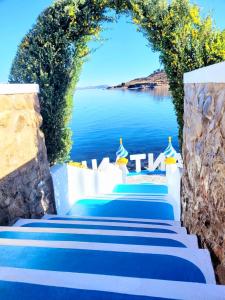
93,87
158,78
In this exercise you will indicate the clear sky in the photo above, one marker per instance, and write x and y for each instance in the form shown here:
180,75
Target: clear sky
123,56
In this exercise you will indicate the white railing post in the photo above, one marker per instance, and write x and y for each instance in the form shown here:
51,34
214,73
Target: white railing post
84,163
125,171
173,176
94,164
104,163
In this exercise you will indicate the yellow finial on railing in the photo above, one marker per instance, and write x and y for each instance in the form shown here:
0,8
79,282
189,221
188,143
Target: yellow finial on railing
170,139
121,141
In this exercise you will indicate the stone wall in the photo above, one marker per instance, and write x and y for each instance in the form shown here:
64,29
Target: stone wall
25,182
203,191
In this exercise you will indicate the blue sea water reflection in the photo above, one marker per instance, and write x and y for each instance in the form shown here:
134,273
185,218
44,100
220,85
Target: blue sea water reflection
100,117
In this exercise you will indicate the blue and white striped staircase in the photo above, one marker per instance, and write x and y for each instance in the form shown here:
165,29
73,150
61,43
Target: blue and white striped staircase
126,245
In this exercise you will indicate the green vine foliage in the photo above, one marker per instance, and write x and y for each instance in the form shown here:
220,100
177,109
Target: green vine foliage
54,50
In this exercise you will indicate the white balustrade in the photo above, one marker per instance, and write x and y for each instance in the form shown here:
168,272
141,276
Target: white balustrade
72,183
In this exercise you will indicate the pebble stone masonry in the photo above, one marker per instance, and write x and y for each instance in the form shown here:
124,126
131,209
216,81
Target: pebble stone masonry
25,181
203,189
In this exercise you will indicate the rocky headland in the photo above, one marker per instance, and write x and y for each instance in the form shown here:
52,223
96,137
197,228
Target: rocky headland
157,79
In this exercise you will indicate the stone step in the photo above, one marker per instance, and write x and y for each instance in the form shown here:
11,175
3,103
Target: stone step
32,284
102,236
100,225
165,263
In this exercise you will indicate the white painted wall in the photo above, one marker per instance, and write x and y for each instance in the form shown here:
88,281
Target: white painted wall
108,178
72,183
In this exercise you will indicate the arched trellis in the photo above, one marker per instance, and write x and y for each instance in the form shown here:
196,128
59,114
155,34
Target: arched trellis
53,52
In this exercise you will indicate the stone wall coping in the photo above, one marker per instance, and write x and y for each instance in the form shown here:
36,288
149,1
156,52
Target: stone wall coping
211,74
12,88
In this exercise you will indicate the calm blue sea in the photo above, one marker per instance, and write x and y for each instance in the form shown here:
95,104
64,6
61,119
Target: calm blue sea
101,117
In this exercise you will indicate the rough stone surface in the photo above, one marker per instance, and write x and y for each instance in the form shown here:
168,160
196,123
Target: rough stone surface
203,191
26,188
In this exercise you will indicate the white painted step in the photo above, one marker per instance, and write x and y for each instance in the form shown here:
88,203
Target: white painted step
190,241
132,220
132,195
102,225
199,257
115,284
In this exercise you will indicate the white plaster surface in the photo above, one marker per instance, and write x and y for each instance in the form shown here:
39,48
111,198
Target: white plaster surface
12,88
211,74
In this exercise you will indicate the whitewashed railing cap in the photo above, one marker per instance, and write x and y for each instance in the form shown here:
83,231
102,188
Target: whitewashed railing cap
12,88
211,74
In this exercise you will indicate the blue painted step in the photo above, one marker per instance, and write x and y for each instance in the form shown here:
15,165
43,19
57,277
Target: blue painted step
119,208
24,291
80,287
71,249
66,218
112,219
141,188
129,240
141,265
71,225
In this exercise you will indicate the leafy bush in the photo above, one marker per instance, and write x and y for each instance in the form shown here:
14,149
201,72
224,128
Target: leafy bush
53,51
